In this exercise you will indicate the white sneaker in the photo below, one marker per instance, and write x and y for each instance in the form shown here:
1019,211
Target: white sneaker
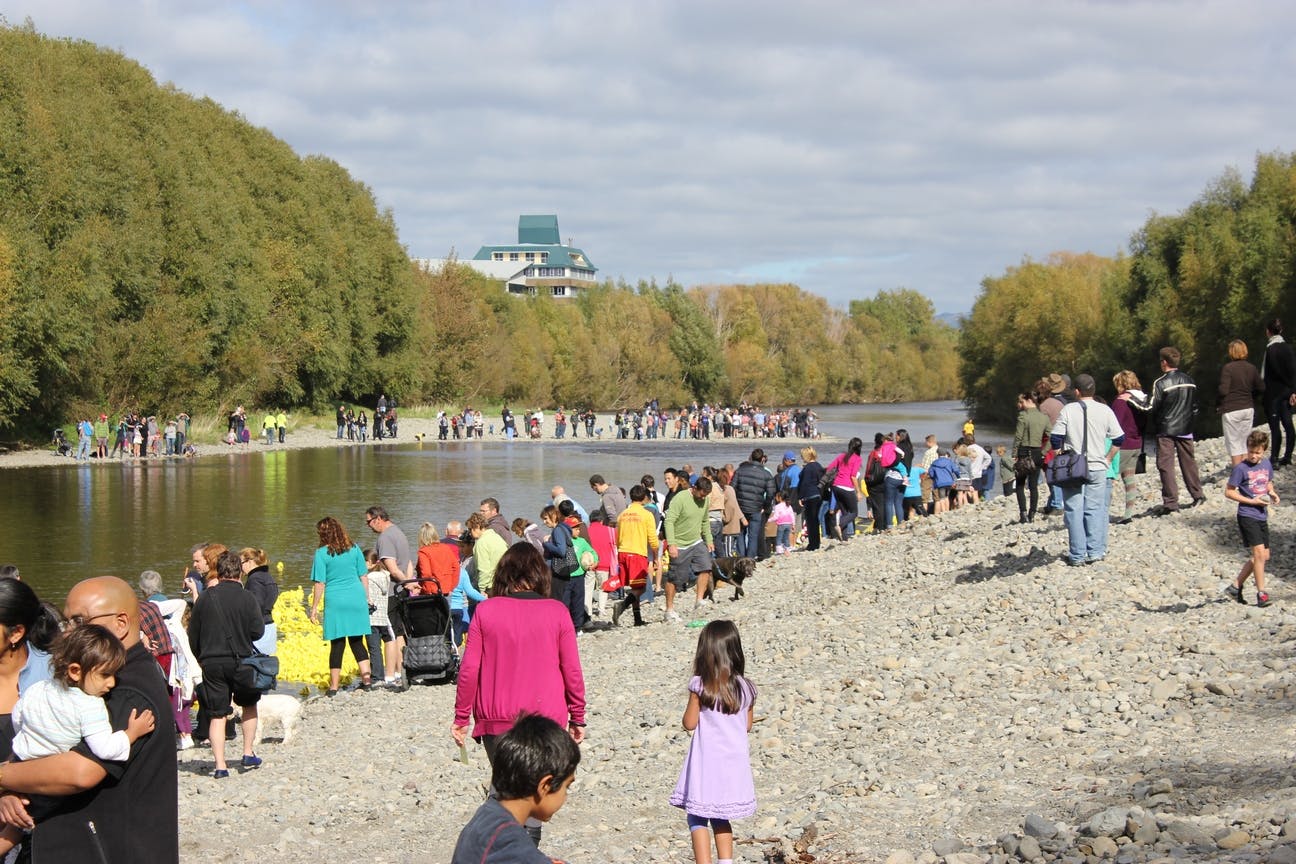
701,604
186,742
672,616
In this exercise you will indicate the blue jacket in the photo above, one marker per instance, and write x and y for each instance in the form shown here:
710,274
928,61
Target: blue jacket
943,472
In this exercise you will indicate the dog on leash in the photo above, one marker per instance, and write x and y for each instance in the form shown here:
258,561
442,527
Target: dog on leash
733,570
281,709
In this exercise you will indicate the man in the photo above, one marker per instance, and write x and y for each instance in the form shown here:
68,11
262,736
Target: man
611,499
558,495
1091,429
134,815
490,511
101,436
1172,406
341,421
281,423
268,426
393,551
689,544
754,486
85,435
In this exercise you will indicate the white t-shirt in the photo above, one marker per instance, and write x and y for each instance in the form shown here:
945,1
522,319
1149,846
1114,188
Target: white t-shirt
52,718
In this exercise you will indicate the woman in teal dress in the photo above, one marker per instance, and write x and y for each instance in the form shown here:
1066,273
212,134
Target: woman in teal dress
339,576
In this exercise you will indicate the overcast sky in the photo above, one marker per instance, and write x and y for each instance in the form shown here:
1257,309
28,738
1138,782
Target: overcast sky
849,147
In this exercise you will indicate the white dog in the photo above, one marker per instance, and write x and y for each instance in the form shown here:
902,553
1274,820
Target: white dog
278,708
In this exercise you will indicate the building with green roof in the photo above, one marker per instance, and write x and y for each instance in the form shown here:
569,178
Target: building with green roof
540,261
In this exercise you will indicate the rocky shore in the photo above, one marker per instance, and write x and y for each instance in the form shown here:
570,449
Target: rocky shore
951,691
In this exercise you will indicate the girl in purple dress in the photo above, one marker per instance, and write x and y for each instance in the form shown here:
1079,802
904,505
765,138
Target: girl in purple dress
715,784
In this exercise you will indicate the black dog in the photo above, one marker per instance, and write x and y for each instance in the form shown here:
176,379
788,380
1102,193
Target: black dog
733,570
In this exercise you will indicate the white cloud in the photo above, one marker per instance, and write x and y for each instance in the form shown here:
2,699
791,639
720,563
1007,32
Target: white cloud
850,147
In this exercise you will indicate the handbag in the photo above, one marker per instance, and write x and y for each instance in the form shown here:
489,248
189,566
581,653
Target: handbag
613,583
1024,465
1140,464
564,567
265,670
826,481
1068,468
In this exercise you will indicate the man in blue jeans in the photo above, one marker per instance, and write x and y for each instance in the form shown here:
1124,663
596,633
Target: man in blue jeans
754,488
1085,426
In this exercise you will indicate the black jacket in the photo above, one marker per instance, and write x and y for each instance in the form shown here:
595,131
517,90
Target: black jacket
1279,371
1172,405
808,485
754,488
226,621
263,587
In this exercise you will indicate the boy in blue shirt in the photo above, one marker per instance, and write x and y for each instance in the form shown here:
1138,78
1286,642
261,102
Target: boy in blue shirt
1251,486
533,765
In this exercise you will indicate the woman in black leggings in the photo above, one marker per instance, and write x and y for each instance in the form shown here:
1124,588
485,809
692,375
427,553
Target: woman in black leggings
339,576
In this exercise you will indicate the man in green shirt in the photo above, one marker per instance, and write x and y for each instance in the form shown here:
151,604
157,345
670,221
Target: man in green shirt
689,544
281,421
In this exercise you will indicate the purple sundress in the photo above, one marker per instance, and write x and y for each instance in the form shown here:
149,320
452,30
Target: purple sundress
716,780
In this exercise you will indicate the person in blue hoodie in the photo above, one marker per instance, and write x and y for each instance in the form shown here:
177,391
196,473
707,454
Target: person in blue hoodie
943,472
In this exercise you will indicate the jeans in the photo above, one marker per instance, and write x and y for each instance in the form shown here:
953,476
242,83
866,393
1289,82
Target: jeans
1279,412
752,535
783,539
1084,512
894,500
374,643
83,449
341,429
571,593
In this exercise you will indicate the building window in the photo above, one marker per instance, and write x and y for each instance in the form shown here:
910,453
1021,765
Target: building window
544,257
498,256
530,256
560,290
513,256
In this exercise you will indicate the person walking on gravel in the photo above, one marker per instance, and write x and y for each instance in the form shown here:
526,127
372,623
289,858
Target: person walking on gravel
1251,486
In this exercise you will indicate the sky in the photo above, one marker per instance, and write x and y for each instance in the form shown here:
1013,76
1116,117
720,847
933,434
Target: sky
847,147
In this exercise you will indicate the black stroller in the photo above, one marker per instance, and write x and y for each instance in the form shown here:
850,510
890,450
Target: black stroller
61,445
430,655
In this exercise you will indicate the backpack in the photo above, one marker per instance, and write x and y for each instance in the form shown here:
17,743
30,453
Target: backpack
875,473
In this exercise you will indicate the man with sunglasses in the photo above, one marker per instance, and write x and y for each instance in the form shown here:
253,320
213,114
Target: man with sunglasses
114,811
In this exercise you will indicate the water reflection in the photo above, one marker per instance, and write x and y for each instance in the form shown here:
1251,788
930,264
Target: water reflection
60,524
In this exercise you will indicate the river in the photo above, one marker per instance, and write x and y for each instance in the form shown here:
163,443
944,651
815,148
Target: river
64,523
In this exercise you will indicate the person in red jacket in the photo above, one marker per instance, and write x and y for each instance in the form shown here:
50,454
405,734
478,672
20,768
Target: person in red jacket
438,563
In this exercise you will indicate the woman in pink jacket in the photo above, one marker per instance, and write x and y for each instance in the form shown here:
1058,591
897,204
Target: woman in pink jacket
520,657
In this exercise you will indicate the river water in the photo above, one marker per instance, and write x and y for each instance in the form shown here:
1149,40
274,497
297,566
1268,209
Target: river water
62,524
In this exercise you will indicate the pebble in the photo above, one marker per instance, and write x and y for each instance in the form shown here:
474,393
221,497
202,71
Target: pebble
952,690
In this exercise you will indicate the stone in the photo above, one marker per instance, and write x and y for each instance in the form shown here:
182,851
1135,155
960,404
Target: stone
900,856
1229,840
947,846
1029,849
1039,827
1104,847
1108,823
1187,834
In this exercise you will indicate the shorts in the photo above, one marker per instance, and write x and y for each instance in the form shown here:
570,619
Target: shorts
223,678
634,569
394,616
1255,532
691,561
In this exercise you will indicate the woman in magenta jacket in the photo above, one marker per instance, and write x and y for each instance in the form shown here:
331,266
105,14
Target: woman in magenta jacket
521,656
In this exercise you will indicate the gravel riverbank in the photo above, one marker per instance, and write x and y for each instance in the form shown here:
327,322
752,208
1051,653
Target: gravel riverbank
952,691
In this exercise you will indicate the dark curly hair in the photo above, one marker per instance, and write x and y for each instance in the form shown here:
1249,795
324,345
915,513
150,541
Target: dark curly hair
333,535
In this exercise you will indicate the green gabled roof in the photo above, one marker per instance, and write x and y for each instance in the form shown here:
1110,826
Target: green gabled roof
541,230
559,256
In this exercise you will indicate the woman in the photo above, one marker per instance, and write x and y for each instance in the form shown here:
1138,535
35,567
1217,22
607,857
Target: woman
22,663
183,672
1240,385
1279,371
530,532
715,506
897,474
362,426
262,586
564,587
808,491
875,467
1028,452
339,576
438,563
521,655
488,548
225,622
732,515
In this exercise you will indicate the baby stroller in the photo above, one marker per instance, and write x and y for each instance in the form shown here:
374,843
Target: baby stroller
61,445
430,656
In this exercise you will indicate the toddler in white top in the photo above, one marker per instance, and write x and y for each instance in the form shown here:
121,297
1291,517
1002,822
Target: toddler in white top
53,716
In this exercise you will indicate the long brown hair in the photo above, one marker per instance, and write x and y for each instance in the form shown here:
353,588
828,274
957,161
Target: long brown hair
719,663
521,568
333,535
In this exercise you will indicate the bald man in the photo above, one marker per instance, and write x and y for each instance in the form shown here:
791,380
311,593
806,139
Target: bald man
134,817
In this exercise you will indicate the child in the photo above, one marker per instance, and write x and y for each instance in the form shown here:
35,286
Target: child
783,516
1251,486
1007,470
913,491
715,784
378,582
535,763
54,715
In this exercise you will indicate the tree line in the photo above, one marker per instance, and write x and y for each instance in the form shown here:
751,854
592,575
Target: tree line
158,251
1196,280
